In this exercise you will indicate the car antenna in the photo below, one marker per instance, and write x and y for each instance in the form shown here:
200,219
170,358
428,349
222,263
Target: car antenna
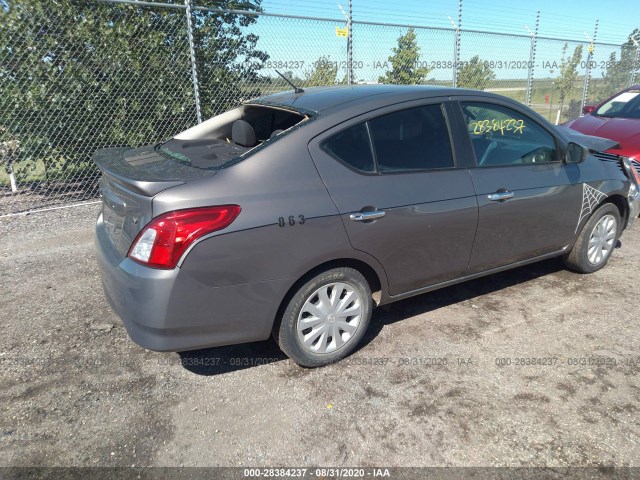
295,89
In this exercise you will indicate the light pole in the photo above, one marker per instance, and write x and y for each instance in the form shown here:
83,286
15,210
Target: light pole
532,58
587,74
349,41
456,44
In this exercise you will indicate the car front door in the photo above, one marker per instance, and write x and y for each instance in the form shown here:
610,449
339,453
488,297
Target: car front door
403,199
529,199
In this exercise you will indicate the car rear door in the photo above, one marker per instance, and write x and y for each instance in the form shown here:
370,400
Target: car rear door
529,199
403,197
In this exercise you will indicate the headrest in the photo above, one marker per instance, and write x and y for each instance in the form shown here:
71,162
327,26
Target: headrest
275,133
242,134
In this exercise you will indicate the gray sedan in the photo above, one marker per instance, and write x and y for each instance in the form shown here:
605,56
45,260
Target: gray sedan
295,214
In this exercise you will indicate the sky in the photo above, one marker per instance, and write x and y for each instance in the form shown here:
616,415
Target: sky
293,45
567,19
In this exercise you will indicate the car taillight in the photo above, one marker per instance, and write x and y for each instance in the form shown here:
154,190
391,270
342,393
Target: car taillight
162,242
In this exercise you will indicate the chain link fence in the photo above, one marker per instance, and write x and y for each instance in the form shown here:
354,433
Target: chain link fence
76,76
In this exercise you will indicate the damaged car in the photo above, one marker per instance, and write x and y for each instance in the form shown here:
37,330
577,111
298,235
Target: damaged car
297,213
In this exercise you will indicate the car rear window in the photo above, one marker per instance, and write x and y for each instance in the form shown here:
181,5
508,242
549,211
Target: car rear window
224,139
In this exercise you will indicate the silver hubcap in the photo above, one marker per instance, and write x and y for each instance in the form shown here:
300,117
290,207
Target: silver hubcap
602,240
329,318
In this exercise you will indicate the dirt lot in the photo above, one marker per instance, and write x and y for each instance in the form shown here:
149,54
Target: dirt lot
439,381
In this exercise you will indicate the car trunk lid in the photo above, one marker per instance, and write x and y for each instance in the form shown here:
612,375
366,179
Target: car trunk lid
131,177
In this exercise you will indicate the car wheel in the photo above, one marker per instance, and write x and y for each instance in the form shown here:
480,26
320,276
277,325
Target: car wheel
596,241
326,318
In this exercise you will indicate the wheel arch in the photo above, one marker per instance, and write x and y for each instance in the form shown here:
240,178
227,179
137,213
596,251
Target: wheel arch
375,278
623,207
616,199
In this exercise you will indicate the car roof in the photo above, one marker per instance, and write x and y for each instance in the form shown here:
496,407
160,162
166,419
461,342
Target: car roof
322,99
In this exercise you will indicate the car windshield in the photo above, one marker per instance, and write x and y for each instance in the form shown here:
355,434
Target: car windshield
624,105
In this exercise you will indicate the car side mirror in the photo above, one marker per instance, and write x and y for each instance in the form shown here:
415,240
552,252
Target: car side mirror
588,109
575,153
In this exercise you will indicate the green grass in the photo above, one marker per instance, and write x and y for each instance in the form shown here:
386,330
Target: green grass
30,171
26,171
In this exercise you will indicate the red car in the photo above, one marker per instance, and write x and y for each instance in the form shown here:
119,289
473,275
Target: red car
618,119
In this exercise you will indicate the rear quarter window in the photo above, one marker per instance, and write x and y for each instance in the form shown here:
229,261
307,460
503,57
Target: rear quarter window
352,147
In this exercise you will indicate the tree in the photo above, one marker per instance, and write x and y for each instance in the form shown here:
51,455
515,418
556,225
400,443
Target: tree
78,76
227,59
324,72
277,83
405,62
618,72
475,74
568,72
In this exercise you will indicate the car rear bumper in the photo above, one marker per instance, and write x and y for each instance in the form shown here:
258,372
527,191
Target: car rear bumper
169,310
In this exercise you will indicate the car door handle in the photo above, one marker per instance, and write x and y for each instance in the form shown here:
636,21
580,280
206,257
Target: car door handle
500,196
364,216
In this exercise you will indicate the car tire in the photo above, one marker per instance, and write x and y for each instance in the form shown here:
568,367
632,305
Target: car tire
326,318
596,241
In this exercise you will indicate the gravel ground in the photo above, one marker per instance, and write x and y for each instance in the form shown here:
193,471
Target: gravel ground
438,382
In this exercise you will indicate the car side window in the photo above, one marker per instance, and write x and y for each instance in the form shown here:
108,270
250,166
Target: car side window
411,139
352,147
502,136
